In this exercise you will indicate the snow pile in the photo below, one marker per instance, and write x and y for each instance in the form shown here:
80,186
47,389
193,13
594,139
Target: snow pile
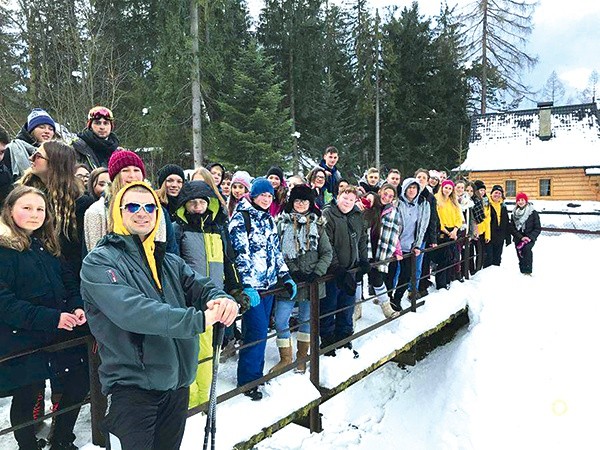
523,375
510,140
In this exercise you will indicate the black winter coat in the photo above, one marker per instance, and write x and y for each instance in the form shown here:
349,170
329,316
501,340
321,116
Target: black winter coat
500,231
532,228
35,287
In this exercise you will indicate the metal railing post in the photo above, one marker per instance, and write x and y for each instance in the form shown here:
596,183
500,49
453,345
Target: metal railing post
467,257
98,401
412,294
315,313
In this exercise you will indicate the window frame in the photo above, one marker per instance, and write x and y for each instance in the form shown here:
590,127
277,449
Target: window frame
542,194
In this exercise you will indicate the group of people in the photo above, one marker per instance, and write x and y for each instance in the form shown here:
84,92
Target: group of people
87,241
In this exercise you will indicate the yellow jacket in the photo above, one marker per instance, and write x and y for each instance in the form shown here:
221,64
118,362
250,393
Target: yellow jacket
485,227
449,213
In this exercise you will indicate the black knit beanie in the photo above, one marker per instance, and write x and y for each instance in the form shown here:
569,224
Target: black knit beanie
169,169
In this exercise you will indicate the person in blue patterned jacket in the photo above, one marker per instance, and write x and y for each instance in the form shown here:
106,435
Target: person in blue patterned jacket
260,264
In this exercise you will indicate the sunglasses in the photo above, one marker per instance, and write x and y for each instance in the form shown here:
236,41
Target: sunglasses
133,208
38,155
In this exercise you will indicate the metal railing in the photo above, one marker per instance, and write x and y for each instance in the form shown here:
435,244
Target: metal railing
98,401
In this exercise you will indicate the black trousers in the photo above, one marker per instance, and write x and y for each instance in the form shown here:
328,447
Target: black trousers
139,419
403,280
76,387
526,258
493,253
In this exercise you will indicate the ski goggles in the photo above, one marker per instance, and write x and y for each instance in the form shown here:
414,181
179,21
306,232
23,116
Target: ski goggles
133,208
100,112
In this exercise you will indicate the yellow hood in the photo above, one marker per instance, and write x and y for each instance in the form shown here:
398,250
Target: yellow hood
118,227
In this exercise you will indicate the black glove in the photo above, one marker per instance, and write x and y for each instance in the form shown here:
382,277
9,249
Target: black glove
298,276
363,268
310,277
242,299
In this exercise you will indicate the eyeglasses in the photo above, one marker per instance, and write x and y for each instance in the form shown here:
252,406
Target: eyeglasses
133,208
37,155
301,201
319,177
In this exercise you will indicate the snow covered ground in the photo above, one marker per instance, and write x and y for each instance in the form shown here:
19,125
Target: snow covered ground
524,375
520,376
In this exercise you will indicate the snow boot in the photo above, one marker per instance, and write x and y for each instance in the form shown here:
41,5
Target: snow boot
285,354
254,394
303,347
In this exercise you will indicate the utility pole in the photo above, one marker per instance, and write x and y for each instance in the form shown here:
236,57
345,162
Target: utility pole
377,54
196,94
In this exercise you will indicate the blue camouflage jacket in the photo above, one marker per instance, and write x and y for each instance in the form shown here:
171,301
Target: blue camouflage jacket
257,251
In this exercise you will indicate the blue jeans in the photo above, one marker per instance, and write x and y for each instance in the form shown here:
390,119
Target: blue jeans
283,311
255,323
337,325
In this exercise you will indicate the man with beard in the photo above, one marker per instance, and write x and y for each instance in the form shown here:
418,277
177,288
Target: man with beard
97,142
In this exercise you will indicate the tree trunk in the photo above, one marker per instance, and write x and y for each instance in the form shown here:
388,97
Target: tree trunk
295,152
484,56
196,94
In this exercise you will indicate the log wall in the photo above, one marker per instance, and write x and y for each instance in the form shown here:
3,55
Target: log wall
566,184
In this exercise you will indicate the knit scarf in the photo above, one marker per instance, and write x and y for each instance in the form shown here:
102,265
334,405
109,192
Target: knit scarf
299,234
103,148
520,216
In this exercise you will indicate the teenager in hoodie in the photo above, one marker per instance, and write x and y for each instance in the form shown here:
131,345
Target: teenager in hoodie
525,228
431,235
277,180
204,244
307,252
260,264
414,215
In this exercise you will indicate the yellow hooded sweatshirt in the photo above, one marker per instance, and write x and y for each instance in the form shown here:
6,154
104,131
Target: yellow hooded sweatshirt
148,244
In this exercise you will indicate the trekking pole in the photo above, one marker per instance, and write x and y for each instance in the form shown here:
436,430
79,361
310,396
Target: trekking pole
211,419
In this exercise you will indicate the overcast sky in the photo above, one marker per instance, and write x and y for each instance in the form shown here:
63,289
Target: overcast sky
566,37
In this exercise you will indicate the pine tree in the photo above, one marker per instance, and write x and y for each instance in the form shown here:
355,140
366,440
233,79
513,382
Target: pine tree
254,130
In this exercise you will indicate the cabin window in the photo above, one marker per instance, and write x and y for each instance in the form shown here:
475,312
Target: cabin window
510,188
545,187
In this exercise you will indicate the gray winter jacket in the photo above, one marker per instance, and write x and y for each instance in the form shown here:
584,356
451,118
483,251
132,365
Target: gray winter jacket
146,337
423,214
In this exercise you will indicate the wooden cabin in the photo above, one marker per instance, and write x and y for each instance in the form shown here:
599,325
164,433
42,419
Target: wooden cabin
551,153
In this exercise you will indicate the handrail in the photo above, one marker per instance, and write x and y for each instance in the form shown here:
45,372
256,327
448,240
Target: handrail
98,401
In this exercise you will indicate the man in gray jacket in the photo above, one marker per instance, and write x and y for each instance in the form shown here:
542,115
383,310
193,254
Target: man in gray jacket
146,308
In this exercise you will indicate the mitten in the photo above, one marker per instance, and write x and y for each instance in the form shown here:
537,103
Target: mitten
290,286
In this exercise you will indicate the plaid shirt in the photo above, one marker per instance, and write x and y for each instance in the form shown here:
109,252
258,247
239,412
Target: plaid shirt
478,211
388,238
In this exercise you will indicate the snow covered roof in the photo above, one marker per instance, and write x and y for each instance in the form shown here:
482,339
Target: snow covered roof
510,141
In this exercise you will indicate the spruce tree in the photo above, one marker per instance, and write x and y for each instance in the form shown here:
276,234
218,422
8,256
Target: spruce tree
254,130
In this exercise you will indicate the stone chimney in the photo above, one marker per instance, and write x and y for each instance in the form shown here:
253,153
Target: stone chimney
545,113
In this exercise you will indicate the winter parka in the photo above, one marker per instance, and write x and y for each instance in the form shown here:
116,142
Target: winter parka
204,243
147,337
423,213
499,226
347,235
531,229
257,250
431,235
35,287
312,261
93,150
